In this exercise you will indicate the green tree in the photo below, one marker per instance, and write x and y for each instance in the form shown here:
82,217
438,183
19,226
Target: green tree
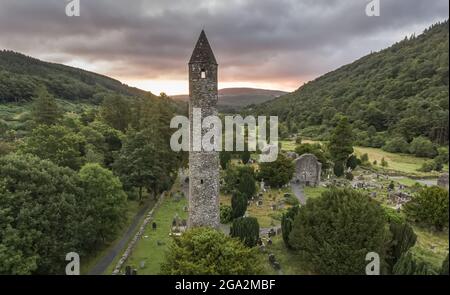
226,214
113,141
225,158
45,109
408,264
277,173
246,229
41,215
116,111
338,169
353,162
105,201
57,144
315,149
422,147
429,206
341,141
241,179
146,162
205,251
365,158
245,157
287,221
396,145
238,205
246,181
335,231
403,238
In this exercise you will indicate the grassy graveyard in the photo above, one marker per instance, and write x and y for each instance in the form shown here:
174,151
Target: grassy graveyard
150,250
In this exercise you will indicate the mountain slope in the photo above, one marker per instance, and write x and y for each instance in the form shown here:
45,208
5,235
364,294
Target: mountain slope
399,91
231,98
20,75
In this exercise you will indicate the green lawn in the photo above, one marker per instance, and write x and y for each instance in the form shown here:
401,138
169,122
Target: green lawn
147,249
289,260
314,192
267,217
404,163
397,163
431,246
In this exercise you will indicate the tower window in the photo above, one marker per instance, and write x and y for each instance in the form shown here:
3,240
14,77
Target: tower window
201,181
203,74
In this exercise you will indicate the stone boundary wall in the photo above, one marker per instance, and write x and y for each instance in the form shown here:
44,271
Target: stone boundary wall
138,235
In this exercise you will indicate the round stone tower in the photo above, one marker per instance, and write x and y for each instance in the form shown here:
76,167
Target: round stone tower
203,165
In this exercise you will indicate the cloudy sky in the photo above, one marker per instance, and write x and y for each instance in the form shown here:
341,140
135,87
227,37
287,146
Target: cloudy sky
274,44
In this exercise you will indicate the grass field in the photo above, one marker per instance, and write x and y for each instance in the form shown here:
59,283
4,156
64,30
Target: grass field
264,213
431,246
289,260
404,164
147,248
313,192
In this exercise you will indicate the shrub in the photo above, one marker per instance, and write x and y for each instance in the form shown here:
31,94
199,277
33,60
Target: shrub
365,158
338,169
246,229
408,264
205,251
353,162
335,231
238,205
287,221
403,238
349,176
396,145
423,147
291,200
429,206
391,185
226,214
277,173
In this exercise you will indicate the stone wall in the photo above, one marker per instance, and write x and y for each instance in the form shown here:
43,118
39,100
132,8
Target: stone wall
307,170
138,236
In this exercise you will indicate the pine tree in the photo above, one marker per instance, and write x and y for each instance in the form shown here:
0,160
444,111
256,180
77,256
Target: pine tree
403,238
408,264
287,222
238,204
45,109
341,141
246,229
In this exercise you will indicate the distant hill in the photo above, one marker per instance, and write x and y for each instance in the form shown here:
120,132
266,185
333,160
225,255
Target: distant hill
401,92
21,74
236,98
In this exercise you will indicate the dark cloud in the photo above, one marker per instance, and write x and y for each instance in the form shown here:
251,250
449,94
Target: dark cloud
276,41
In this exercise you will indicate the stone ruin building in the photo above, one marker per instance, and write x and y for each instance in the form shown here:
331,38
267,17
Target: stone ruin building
307,170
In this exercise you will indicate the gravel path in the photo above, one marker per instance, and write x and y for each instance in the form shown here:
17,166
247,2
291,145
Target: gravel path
298,192
101,266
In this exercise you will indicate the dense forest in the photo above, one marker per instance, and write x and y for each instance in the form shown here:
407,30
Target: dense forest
79,152
398,93
20,76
